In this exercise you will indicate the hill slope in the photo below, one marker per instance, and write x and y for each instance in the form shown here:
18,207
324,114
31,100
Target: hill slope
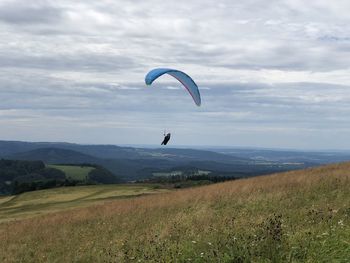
8,148
300,216
54,156
131,164
40,202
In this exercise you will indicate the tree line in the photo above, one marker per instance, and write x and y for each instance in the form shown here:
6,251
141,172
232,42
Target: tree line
18,176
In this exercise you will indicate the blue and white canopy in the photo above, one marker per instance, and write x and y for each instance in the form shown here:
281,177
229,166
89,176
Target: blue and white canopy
182,77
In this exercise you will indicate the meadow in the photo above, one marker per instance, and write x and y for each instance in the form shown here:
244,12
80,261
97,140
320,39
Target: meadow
73,172
299,216
39,202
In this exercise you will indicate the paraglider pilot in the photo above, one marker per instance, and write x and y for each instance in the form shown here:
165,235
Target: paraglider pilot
166,139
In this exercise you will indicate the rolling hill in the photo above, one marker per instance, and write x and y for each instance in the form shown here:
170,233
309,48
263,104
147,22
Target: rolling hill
298,216
18,176
32,204
13,148
131,164
53,156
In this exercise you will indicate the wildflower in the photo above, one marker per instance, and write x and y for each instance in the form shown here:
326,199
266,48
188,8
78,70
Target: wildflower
209,243
202,254
341,222
194,242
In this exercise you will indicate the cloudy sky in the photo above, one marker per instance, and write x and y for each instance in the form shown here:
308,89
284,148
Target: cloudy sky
271,73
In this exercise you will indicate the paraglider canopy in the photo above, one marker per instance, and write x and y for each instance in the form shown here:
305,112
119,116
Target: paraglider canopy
182,77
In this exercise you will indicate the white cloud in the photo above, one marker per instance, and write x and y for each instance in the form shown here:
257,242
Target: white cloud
271,72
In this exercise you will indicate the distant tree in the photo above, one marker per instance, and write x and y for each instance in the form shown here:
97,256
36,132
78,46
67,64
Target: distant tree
102,176
52,173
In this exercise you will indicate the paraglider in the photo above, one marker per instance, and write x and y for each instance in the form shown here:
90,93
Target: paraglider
182,77
166,139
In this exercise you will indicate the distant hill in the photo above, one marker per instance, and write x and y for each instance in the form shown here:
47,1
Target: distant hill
131,164
11,147
7,148
310,158
17,176
53,156
135,169
199,155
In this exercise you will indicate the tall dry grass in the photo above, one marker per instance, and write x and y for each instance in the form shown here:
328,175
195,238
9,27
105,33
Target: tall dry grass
295,216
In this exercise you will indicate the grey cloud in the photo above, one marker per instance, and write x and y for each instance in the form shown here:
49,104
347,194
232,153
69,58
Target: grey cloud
68,62
271,70
32,12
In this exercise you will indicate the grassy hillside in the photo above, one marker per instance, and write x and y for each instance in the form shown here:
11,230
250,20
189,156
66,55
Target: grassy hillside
300,216
31,204
78,173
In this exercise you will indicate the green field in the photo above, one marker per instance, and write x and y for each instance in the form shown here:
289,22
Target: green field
299,216
51,200
73,172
